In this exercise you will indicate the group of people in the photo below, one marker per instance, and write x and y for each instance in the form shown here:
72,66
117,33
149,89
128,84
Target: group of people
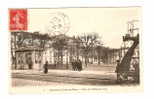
77,65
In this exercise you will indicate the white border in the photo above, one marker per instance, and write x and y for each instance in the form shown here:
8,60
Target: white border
147,43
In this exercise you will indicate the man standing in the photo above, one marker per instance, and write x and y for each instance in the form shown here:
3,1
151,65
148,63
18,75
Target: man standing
136,67
45,67
79,65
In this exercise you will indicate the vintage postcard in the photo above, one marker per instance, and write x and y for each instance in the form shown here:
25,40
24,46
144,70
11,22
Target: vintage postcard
63,50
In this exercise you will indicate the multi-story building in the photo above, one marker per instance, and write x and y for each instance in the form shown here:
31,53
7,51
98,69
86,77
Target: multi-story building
32,50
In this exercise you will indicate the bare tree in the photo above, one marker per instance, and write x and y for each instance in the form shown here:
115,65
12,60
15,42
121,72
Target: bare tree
60,43
24,40
99,53
89,41
17,40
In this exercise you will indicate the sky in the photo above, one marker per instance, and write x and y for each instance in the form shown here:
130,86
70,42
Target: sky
109,23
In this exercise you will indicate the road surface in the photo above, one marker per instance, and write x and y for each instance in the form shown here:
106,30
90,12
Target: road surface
90,76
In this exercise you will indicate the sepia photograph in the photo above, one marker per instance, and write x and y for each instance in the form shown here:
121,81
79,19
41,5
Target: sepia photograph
75,49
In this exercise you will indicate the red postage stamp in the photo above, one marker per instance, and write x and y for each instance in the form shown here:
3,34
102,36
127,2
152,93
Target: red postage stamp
18,19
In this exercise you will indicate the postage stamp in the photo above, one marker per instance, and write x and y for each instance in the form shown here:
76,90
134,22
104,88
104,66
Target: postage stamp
66,50
18,19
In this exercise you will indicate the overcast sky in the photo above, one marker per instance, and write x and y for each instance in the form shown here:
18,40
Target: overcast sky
109,23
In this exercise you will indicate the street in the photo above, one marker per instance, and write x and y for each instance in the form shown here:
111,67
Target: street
92,75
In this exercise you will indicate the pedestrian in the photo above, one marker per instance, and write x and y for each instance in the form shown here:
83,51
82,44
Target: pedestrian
45,67
76,65
73,64
118,71
30,64
136,74
79,65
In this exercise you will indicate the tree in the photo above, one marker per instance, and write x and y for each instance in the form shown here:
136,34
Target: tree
106,51
89,41
60,43
25,40
99,52
17,40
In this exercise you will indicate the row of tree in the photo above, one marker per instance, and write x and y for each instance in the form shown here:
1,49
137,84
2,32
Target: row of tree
85,43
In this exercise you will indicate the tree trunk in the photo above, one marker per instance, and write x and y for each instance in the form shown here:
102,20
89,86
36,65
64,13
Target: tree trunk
98,59
15,53
15,58
61,58
86,60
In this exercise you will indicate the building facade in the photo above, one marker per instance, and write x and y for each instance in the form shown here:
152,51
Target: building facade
32,50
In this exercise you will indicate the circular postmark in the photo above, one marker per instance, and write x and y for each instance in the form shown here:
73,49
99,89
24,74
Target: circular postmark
58,23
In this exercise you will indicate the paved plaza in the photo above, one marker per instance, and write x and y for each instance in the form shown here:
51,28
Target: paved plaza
92,75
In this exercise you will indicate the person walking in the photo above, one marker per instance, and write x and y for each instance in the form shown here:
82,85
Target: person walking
45,67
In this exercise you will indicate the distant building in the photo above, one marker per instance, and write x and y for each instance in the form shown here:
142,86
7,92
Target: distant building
32,50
